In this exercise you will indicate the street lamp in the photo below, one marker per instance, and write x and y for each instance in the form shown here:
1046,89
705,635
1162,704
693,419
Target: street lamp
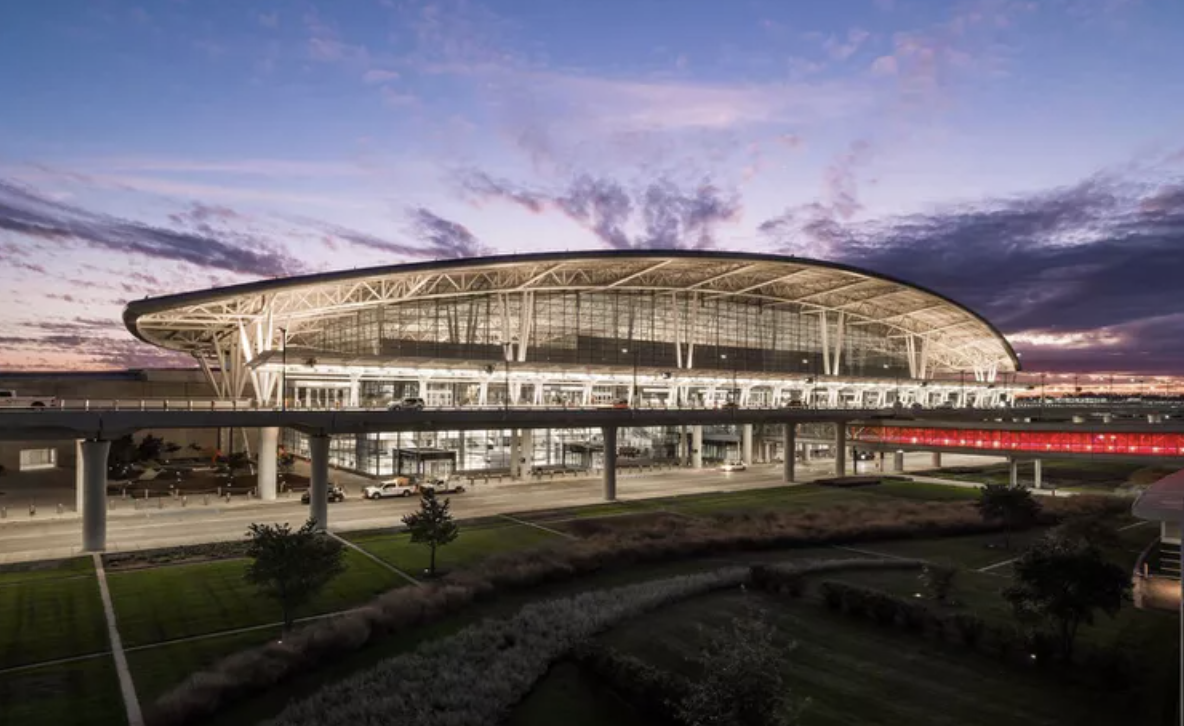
284,370
635,395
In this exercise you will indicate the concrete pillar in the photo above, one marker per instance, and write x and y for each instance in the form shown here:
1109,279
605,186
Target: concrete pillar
610,463
515,455
697,446
897,461
1037,478
318,446
746,444
806,453
936,460
791,446
526,453
684,447
94,498
1013,467
79,480
269,441
840,448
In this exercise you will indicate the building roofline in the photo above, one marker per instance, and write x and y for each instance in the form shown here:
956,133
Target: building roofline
137,308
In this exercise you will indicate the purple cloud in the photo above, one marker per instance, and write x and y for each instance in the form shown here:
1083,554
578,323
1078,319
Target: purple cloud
30,214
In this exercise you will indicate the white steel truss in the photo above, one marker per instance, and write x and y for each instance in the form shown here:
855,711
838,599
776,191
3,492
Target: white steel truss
232,327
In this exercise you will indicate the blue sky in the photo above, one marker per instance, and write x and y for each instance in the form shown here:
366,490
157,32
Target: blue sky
158,146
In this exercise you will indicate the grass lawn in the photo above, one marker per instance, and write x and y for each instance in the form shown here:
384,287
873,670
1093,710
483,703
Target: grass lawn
475,543
85,693
608,509
966,551
156,669
50,611
176,601
22,572
858,673
797,496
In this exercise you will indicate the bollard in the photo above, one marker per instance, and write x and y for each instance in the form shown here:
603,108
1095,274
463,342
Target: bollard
3,512
32,510
160,502
184,501
136,504
219,491
145,494
228,497
206,499
110,503
59,508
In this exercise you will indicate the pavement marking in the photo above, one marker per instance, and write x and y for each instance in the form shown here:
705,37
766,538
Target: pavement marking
236,631
382,562
874,553
988,568
56,661
525,523
126,686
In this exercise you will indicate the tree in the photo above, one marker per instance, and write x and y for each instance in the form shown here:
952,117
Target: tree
1063,582
938,580
1092,530
431,525
150,448
741,679
292,567
1012,506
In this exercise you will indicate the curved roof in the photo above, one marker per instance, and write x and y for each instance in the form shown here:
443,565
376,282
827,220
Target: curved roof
958,338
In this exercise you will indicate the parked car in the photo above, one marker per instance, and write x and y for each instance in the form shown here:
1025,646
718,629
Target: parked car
796,403
336,494
443,486
407,404
398,487
621,403
730,404
732,466
10,399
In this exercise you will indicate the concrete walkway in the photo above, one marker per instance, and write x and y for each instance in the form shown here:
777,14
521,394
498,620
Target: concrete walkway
126,686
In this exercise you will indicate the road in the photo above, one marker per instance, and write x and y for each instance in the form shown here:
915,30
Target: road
23,540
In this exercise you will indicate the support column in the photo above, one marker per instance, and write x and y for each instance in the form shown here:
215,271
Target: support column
936,460
806,453
840,448
515,454
746,444
684,447
610,463
1037,475
697,446
1014,471
526,453
318,494
269,441
897,461
94,497
791,446
79,479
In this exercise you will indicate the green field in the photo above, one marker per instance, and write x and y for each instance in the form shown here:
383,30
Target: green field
475,543
50,611
178,601
157,668
858,673
83,693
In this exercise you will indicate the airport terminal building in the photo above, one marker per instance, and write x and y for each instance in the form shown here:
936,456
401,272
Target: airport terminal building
638,328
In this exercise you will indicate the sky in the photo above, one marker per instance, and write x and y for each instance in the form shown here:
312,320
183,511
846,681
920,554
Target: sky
1023,158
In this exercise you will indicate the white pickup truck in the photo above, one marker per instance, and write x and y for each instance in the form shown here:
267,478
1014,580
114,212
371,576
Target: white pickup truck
9,399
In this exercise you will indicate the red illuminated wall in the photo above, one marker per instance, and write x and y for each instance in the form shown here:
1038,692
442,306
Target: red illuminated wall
1076,442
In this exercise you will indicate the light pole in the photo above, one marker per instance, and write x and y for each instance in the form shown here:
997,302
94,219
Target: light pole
284,370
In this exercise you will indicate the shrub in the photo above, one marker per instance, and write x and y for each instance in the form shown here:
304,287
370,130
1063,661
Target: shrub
474,676
652,691
241,675
884,608
914,615
832,595
970,628
1041,646
855,601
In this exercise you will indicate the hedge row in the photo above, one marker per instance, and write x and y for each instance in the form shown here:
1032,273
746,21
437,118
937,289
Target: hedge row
1101,666
259,669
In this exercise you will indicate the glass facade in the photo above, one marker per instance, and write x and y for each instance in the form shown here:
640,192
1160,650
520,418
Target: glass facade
653,329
